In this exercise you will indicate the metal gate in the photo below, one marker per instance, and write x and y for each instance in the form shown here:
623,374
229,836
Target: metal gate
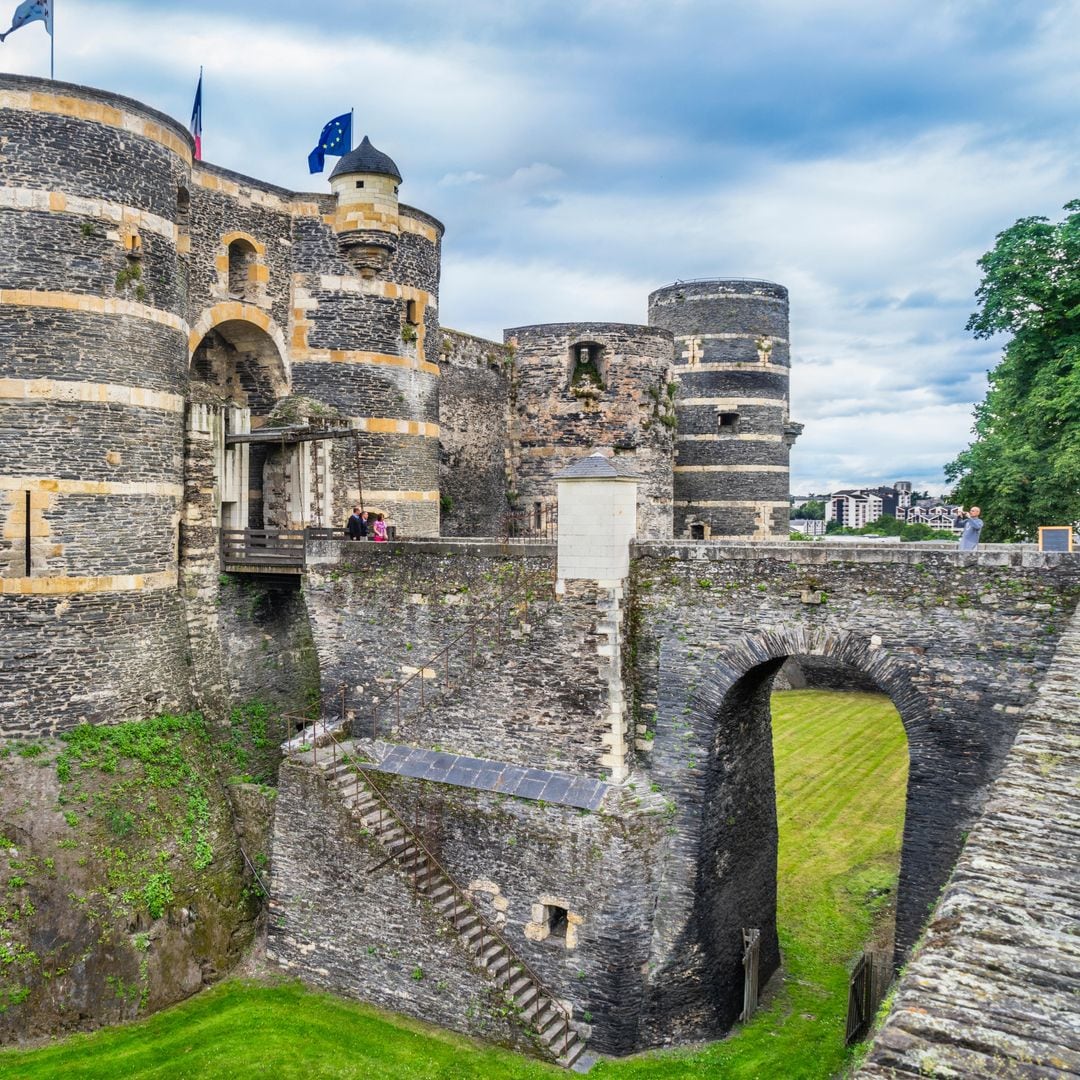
869,980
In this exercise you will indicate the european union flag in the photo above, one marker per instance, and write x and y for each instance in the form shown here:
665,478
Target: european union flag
336,138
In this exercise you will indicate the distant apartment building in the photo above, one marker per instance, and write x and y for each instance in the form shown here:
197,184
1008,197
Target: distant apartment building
856,507
933,512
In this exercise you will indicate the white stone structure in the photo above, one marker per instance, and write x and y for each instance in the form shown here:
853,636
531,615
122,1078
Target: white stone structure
597,521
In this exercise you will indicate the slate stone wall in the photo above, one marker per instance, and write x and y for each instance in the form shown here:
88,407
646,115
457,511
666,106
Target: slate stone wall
1006,920
344,919
958,641
474,403
732,355
90,658
557,423
536,692
94,353
224,202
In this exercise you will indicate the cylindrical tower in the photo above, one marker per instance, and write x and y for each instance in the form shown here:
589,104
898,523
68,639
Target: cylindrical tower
367,315
581,387
93,368
734,435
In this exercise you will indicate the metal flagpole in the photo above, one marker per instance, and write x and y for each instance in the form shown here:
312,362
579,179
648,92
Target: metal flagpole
352,129
52,40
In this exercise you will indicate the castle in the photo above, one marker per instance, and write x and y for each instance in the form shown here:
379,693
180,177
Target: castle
185,349
187,353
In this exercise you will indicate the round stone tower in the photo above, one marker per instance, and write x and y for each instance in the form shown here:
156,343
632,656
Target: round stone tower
582,387
366,315
734,435
93,370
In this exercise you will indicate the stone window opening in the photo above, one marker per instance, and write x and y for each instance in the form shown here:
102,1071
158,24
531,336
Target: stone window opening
586,367
728,423
552,920
412,312
183,206
557,921
698,530
359,183
242,261
27,536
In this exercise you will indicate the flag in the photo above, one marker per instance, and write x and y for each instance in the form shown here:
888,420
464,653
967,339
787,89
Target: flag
31,11
195,127
336,138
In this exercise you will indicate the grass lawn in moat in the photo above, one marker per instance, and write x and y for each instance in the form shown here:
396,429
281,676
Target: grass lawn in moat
841,776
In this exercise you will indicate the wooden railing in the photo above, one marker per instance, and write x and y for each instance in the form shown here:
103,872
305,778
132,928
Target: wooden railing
266,548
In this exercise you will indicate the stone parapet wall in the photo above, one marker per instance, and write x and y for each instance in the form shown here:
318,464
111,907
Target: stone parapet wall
381,612
991,990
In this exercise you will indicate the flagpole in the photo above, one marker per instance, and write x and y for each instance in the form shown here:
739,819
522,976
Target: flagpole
352,122
52,43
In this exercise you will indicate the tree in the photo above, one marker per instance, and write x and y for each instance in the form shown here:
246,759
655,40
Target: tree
1023,468
812,511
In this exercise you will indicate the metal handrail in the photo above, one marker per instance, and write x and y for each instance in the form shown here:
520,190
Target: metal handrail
460,893
255,873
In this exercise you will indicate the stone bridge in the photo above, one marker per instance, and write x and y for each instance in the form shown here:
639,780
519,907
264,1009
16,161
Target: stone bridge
655,690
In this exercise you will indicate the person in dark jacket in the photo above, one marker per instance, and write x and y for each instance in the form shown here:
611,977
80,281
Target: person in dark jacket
357,527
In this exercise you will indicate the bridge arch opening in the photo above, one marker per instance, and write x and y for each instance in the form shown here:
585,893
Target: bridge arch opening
739,846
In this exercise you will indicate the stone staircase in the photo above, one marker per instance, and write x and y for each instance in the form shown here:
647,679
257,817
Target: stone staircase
537,1008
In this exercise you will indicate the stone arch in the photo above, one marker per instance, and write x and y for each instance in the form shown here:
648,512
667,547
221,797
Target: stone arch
713,752
244,325
734,693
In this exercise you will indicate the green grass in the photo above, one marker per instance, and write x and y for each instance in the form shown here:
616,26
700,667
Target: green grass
841,767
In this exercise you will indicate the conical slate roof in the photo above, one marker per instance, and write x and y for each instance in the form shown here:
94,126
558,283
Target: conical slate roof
598,467
366,159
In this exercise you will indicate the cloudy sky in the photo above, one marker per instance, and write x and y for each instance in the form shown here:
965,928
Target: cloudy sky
582,154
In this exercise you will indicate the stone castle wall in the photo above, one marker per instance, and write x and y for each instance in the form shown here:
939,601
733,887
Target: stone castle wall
958,642
93,372
562,416
475,390
733,359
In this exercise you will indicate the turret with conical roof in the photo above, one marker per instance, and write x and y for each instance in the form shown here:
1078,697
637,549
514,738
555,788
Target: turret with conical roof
366,182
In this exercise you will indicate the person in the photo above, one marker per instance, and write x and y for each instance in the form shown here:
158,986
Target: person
379,528
969,539
358,524
355,522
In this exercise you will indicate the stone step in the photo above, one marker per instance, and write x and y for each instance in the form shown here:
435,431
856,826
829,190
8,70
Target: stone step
522,991
576,1059
443,892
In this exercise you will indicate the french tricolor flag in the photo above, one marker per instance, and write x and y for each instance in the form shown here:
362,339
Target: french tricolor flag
196,119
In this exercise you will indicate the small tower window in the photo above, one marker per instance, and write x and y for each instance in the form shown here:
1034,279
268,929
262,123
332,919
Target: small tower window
412,312
729,423
183,205
359,183
241,270
586,366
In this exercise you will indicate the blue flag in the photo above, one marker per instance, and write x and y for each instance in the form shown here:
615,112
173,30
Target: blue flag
31,11
336,138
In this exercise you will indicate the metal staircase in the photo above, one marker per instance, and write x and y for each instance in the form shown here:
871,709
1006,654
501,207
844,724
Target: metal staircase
340,765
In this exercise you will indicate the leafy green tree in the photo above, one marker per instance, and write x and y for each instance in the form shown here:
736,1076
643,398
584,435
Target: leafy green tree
1023,468
814,510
